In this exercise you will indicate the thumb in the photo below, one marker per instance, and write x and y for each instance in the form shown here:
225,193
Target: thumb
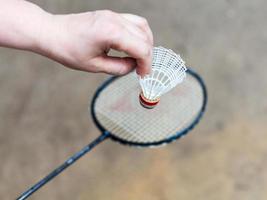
114,65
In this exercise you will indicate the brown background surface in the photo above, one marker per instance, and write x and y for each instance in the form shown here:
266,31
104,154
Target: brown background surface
44,117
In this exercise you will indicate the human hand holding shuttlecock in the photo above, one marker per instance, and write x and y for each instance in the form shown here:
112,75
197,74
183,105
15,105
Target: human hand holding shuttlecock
168,70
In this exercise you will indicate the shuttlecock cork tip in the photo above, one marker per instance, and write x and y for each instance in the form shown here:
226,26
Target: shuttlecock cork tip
147,103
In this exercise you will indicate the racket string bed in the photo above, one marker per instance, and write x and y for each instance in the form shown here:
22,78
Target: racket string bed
137,124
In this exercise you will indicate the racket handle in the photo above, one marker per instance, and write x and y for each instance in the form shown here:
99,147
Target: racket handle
63,166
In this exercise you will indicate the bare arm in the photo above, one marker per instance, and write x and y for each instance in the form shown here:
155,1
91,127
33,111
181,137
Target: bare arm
79,41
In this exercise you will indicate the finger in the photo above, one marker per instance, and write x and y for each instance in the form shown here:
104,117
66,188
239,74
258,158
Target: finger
114,65
136,48
141,23
133,29
144,68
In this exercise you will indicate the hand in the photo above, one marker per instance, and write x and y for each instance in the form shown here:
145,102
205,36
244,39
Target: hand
82,41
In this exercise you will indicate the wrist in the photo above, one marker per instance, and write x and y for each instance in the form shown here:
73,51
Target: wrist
60,38
53,38
40,39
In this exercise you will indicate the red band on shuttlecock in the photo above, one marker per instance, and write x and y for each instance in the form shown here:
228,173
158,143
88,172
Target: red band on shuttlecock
146,102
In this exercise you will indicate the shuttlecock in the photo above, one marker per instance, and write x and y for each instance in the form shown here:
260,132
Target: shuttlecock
168,70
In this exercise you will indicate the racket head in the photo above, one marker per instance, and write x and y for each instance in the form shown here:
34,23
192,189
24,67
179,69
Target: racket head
116,111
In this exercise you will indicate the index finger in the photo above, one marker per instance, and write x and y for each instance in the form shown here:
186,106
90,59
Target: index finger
135,47
141,23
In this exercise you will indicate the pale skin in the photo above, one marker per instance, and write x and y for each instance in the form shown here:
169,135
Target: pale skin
78,41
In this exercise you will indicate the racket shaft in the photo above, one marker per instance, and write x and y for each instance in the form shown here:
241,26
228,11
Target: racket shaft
62,167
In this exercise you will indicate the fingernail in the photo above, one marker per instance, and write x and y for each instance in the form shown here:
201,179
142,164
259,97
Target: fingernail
139,74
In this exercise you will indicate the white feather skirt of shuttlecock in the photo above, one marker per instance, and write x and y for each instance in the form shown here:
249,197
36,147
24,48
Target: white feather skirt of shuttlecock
168,70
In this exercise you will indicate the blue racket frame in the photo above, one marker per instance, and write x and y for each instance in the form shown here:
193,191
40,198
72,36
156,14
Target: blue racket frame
107,134
176,136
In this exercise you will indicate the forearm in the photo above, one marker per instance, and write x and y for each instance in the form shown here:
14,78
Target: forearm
21,24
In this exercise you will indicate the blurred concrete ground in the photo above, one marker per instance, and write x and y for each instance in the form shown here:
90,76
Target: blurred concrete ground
44,117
